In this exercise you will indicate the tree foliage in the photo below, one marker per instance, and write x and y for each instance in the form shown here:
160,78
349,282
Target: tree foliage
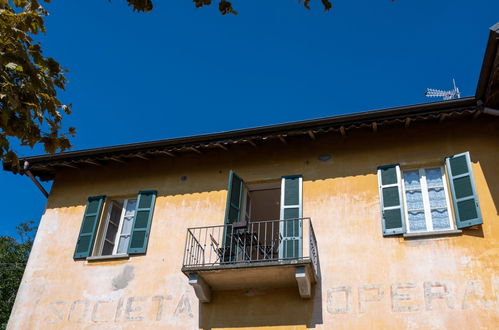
30,110
225,7
13,258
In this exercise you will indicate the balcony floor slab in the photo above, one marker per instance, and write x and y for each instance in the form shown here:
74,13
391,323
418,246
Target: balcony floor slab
260,275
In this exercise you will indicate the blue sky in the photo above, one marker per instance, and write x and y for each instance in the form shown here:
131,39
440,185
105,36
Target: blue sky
181,71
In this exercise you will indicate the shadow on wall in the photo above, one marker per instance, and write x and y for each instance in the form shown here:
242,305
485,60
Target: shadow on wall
491,174
259,307
255,308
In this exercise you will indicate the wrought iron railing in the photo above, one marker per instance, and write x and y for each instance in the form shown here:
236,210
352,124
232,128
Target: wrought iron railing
258,241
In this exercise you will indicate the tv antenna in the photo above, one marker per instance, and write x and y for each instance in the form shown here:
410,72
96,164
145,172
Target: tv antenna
445,95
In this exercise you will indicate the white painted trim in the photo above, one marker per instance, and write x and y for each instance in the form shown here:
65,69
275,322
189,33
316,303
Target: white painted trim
450,206
120,225
104,229
300,214
110,257
245,196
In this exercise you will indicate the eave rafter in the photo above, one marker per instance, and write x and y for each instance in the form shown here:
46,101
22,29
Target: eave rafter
48,167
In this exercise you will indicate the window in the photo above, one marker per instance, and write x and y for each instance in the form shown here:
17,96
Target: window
426,200
429,199
124,228
117,227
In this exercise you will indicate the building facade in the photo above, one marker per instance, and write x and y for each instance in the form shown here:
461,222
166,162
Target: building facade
380,220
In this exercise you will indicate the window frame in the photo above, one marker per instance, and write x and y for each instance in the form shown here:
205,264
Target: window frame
107,219
426,201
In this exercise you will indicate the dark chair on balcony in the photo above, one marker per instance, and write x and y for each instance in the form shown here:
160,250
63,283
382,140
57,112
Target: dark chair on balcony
222,253
271,251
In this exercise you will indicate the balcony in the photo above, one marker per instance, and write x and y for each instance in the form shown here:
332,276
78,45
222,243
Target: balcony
244,255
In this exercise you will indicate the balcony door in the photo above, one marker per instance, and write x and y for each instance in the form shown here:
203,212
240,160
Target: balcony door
246,206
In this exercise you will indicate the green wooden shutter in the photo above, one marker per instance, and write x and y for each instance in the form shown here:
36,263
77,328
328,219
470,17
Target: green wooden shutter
142,222
89,226
392,206
234,198
233,211
291,214
464,196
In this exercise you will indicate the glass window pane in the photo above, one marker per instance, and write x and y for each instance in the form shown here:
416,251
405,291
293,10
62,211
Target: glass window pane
434,177
112,230
130,207
127,225
414,200
116,209
411,180
123,244
437,197
440,219
107,250
417,221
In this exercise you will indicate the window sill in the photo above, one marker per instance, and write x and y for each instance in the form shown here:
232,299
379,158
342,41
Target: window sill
433,233
106,258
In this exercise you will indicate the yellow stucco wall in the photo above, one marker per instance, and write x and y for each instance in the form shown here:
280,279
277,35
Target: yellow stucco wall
367,281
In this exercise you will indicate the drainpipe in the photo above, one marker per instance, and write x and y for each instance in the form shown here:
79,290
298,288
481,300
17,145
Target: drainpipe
490,111
32,177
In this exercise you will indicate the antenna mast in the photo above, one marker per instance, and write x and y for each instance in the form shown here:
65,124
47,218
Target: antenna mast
445,95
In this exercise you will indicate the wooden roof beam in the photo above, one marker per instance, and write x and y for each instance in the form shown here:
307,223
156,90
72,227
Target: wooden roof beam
221,146
114,159
407,122
91,162
311,134
66,164
164,152
141,156
343,131
441,118
283,140
250,141
375,127
195,150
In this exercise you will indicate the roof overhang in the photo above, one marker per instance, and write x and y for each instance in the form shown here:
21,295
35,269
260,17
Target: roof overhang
45,166
488,84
